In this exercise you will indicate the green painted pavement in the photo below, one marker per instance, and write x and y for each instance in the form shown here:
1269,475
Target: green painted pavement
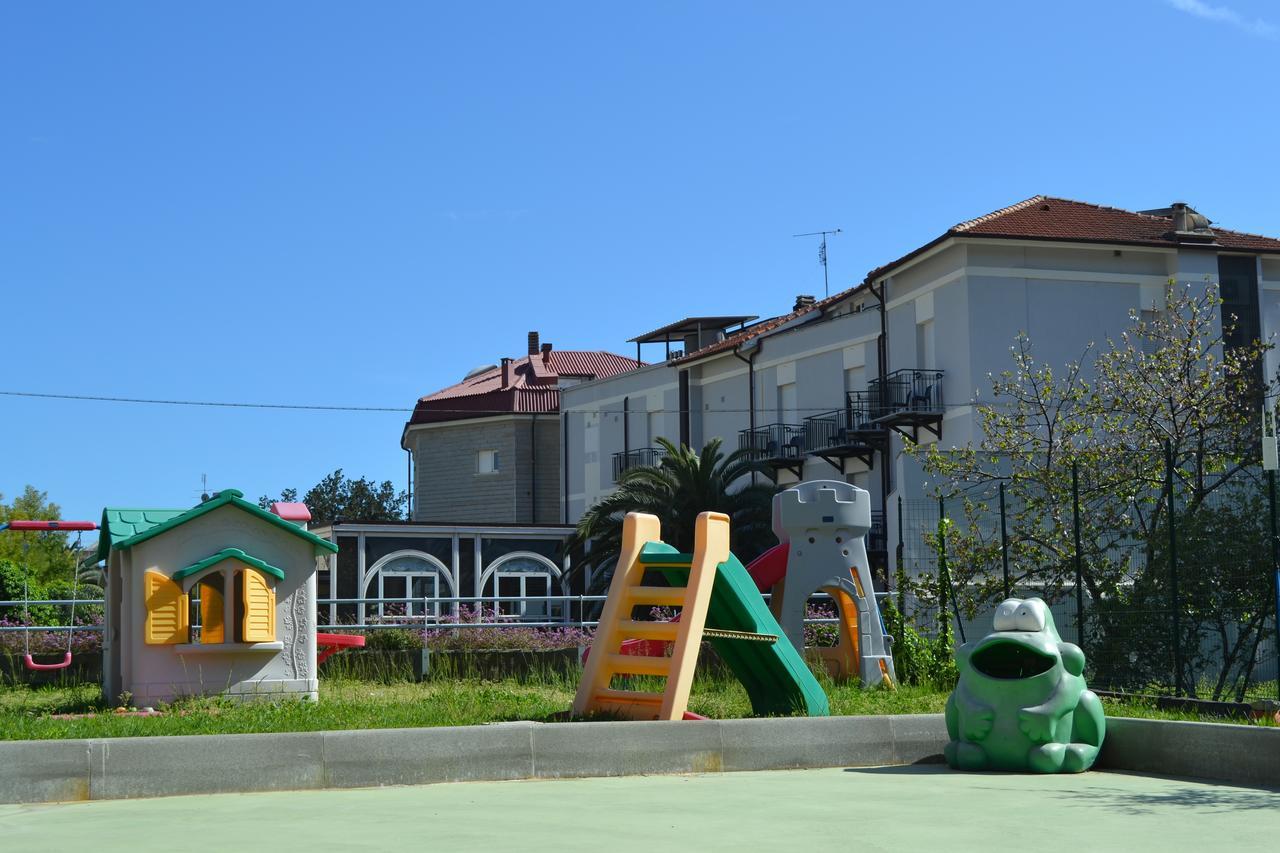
865,809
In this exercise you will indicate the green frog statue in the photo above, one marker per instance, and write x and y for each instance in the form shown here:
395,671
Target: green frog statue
1021,702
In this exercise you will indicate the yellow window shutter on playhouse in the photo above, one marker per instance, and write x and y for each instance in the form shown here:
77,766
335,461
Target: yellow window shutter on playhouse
212,629
259,598
166,622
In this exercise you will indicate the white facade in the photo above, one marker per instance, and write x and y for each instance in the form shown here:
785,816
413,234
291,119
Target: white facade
956,307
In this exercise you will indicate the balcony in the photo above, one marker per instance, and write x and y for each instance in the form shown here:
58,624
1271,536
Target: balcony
780,446
877,536
848,433
642,456
908,399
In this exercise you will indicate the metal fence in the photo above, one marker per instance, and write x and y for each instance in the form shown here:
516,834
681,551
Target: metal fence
1167,579
417,613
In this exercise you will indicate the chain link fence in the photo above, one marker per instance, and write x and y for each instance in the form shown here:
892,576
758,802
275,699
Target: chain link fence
1164,575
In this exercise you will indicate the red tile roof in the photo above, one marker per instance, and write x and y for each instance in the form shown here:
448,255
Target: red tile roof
532,388
1060,219
1037,218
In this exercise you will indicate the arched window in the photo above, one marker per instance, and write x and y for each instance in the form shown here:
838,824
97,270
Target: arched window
413,575
229,597
528,577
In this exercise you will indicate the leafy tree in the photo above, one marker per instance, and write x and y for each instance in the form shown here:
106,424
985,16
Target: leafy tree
1167,382
340,498
676,490
48,556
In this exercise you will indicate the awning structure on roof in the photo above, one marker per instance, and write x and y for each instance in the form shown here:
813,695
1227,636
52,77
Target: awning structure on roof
692,326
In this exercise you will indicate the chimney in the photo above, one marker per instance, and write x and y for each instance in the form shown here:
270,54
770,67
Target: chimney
1190,226
533,343
506,371
803,301
1180,216
546,352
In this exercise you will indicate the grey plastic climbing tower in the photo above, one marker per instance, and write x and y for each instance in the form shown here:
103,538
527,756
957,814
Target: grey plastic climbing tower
825,523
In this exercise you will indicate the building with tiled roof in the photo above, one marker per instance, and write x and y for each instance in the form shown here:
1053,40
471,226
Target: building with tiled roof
487,450
832,387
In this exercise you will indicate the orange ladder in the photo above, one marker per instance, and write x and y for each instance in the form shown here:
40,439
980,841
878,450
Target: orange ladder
626,592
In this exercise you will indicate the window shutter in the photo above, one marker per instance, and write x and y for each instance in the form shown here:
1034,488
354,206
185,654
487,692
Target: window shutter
212,626
259,625
166,604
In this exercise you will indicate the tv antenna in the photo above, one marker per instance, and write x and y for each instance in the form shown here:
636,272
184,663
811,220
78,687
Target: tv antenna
822,255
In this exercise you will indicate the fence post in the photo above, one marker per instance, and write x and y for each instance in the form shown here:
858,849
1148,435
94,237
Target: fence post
1173,572
944,578
1075,524
1004,543
1275,565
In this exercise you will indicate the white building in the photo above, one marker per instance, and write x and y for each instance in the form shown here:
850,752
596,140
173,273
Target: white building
831,388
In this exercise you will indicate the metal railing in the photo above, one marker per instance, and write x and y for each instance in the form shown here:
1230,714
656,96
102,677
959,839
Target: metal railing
425,621
625,460
907,390
774,442
851,426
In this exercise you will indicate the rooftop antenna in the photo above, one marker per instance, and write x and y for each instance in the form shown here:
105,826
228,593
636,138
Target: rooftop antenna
822,255
204,488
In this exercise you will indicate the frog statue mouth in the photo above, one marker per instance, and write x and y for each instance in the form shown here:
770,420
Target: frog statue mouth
1011,659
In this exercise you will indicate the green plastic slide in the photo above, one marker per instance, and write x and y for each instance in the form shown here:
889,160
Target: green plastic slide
777,679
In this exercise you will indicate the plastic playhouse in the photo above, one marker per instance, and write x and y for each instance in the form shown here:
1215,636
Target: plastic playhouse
718,601
1021,702
216,599
822,525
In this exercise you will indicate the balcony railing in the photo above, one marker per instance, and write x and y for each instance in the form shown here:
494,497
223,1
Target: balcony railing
913,393
877,536
774,442
852,426
626,460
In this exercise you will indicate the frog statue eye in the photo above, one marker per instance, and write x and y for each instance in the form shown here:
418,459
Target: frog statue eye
1006,618
1029,616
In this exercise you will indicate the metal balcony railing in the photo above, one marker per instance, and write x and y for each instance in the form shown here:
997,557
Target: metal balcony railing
877,536
774,442
626,460
852,426
910,392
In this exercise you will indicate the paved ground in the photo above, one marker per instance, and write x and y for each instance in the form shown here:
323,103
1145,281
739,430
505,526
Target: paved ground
869,809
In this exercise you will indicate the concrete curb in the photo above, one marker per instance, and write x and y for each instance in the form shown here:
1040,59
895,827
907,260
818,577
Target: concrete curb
121,768
1236,754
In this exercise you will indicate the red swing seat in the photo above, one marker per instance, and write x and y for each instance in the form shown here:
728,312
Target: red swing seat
45,667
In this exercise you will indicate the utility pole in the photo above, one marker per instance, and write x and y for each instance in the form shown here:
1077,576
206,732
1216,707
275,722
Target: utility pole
822,255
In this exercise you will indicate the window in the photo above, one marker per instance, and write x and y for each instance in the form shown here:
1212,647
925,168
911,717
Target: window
487,462
925,354
788,408
218,600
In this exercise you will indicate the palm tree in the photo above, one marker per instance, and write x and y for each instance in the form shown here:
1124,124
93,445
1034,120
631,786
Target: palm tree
682,485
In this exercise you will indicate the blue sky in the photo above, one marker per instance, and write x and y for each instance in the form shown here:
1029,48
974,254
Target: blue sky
354,204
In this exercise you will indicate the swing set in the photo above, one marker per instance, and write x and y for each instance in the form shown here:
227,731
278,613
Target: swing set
47,527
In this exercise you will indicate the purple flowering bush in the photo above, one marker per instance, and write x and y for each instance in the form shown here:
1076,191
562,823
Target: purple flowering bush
87,641
515,637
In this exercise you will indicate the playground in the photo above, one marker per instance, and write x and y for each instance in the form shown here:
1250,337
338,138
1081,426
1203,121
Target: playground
886,808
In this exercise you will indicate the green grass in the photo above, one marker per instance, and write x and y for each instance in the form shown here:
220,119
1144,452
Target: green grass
352,704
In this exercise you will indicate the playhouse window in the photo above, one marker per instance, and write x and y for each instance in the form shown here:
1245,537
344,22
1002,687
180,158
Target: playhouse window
228,605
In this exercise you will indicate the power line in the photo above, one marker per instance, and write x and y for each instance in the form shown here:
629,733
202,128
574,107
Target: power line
401,410
205,403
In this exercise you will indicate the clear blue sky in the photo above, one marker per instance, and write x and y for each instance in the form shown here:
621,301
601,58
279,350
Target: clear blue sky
355,203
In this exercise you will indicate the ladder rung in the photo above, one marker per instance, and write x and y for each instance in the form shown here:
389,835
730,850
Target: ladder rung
749,636
631,629
661,596
640,664
628,697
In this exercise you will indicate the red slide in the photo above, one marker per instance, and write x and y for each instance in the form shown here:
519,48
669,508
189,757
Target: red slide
769,568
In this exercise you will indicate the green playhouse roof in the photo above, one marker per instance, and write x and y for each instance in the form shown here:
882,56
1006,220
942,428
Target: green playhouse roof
124,528
225,554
